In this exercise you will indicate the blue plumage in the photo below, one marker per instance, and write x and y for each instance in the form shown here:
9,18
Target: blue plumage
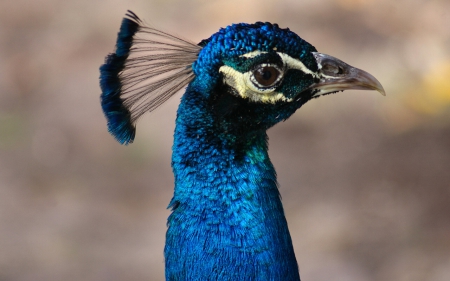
227,220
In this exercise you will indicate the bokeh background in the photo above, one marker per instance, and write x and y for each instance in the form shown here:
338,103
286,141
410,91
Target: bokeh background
365,179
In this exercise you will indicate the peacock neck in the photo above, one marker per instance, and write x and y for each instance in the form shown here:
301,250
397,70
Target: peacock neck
227,221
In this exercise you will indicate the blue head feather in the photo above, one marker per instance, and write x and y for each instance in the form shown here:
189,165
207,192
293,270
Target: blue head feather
238,39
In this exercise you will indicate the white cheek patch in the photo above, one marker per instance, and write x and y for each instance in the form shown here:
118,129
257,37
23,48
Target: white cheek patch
245,88
234,79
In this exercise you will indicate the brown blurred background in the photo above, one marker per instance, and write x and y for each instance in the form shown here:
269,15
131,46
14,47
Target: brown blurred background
365,179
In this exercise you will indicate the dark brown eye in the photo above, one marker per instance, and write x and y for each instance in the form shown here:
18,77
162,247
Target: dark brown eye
266,75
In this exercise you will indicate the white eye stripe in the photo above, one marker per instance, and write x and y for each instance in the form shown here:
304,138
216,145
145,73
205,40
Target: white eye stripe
288,62
292,63
253,54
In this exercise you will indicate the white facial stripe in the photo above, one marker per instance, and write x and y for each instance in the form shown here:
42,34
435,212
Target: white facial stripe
291,63
245,88
253,54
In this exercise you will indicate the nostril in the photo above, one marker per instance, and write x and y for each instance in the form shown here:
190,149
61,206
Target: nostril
330,69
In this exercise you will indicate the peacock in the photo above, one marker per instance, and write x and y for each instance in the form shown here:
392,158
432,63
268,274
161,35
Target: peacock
227,220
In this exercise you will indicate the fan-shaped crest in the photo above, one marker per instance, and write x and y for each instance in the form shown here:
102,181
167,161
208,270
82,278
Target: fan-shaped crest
148,67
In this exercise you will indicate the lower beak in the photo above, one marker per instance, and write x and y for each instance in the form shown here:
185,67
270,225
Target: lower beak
335,75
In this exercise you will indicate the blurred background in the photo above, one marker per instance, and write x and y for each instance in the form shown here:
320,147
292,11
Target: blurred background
365,179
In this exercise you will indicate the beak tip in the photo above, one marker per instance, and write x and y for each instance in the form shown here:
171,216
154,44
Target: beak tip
381,90
379,87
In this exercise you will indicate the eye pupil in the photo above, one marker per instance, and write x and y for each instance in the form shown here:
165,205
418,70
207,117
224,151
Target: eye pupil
266,75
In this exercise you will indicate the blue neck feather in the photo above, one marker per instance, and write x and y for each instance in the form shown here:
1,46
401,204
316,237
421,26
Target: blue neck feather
228,221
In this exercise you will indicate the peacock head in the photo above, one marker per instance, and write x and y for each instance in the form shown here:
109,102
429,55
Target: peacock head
273,69
254,74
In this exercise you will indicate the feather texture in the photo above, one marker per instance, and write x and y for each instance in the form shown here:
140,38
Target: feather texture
148,67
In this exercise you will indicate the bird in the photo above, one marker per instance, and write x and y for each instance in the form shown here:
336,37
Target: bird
227,220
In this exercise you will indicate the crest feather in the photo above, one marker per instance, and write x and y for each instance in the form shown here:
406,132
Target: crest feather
147,68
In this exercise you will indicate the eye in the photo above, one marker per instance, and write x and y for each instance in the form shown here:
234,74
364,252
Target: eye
266,75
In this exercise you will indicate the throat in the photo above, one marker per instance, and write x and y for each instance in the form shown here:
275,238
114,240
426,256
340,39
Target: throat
227,220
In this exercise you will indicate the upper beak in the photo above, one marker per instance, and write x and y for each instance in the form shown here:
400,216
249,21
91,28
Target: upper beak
335,75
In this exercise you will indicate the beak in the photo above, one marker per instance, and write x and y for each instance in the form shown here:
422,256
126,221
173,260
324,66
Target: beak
335,75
